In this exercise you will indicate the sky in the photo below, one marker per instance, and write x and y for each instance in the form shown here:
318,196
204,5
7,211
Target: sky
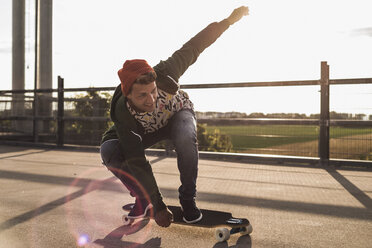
280,40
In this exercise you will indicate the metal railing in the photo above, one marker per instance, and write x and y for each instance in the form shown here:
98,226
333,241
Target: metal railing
323,124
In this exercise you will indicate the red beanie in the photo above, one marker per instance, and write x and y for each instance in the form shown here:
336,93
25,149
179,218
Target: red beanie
130,71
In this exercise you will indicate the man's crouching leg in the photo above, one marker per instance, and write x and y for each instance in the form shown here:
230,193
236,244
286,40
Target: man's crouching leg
113,159
184,137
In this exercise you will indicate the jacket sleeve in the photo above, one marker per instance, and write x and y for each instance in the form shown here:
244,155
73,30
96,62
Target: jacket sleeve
180,60
136,163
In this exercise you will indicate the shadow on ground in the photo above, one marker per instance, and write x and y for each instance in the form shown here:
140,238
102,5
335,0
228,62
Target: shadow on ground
113,239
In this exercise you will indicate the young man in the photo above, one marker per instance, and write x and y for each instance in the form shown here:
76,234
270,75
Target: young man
148,107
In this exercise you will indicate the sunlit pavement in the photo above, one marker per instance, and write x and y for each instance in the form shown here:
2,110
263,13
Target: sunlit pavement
66,198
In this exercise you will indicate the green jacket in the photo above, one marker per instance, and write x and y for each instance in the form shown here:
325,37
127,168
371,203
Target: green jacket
130,132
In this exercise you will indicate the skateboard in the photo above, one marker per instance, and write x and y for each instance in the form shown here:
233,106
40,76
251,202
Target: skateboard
225,223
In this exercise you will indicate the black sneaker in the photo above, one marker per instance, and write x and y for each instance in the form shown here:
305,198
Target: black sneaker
191,213
140,209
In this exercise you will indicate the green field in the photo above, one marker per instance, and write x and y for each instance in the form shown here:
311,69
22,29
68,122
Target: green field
264,136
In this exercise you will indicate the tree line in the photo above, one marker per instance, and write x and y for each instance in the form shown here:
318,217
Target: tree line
333,115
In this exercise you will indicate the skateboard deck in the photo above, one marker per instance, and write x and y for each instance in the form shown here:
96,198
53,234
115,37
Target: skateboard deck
211,219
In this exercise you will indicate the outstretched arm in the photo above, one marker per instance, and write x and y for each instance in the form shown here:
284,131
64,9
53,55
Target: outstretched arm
213,31
178,63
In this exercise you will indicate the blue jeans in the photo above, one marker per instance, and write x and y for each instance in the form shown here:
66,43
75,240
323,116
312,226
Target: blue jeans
181,130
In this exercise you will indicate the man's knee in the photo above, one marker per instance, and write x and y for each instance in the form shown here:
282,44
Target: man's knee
110,152
184,130
184,121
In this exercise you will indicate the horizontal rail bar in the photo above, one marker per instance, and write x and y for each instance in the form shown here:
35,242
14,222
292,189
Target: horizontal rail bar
351,81
27,91
28,118
51,118
250,84
2,92
247,121
53,99
217,85
10,101
351,123
276,83
93,118
90,89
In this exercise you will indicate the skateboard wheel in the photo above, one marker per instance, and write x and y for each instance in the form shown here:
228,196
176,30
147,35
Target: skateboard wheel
126,220
247,230
222,234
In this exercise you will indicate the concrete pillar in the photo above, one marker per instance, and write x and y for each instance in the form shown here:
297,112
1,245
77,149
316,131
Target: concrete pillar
18,60
44,60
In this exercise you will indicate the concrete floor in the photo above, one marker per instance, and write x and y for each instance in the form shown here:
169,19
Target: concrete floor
66,198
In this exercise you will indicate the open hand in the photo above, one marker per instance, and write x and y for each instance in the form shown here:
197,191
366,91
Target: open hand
237,14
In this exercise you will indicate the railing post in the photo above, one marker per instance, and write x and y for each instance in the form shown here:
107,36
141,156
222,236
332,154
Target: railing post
35,104
324,121
60,121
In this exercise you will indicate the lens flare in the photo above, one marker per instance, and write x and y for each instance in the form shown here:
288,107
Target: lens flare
83,240
85,190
